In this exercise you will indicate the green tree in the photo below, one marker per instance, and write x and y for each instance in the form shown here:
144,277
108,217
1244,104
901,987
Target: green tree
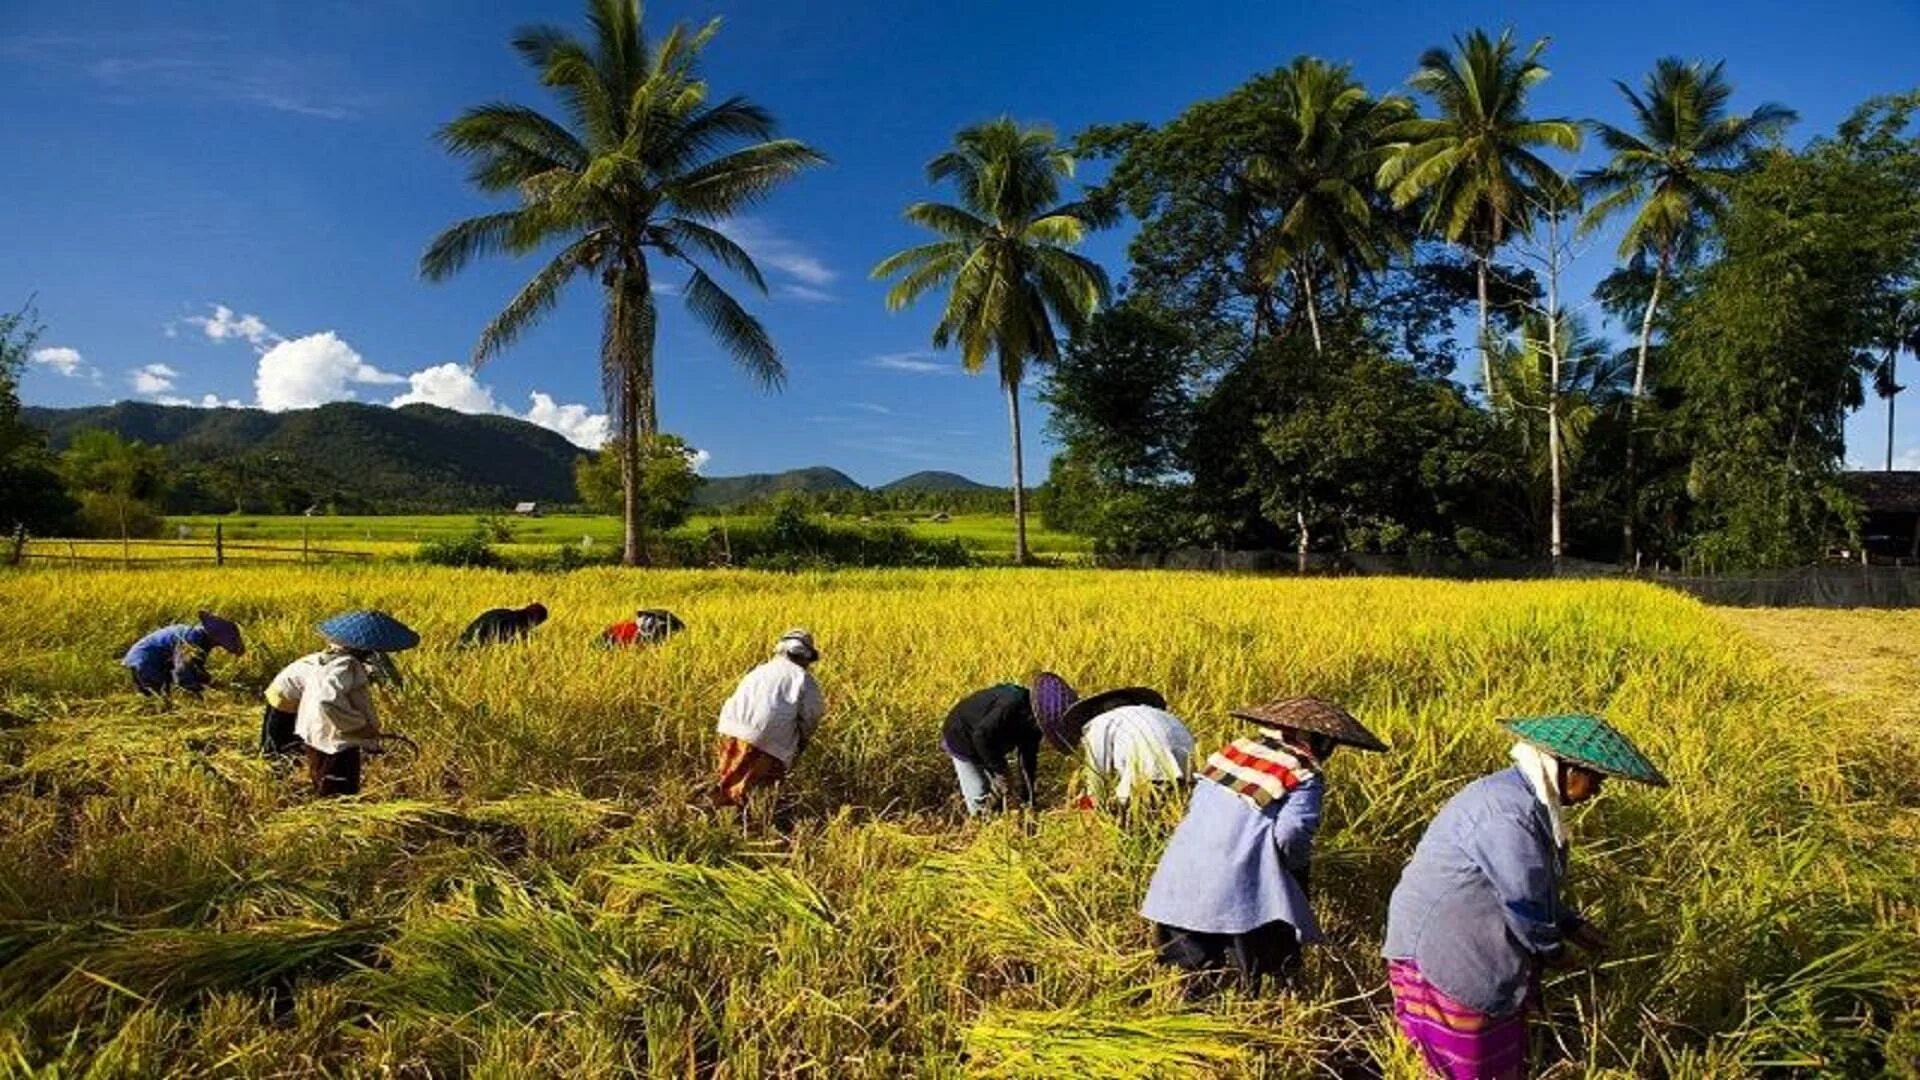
1474,164
667,481
1671,173
1005,257
119,481
1317,178
31,496
1771,341
644,163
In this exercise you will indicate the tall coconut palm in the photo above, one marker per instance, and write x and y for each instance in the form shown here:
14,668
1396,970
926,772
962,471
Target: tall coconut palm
1902,333
1671,172
642,168
1004,254
1318,180
1474,164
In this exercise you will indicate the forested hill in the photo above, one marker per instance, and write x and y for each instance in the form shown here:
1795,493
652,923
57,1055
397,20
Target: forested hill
347,456
753,487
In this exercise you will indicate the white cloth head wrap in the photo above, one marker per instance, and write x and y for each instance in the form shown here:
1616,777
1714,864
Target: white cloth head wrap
1542,771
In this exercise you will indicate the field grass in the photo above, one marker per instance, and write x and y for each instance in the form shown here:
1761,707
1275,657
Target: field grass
537,892
990,534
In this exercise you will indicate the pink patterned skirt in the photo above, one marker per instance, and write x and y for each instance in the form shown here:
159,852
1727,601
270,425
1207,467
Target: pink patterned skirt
1458,1042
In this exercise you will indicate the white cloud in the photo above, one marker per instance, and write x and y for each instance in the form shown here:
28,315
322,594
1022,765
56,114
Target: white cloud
66,362
225,325
313,370
580,426
152,379
872,407
207,401
917,363
774,251
452,386
449,386
699,459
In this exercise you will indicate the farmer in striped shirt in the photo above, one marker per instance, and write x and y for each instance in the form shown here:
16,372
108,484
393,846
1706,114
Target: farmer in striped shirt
1230,892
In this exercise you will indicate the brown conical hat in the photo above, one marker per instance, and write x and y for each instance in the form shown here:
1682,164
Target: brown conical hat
1313,714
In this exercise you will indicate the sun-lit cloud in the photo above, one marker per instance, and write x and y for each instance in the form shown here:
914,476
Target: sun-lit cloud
872,407
65,362
225,325
779,256
452,386
915,363
152,379
136,68
313,370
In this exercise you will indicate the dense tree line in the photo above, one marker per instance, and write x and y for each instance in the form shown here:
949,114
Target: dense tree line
1280,370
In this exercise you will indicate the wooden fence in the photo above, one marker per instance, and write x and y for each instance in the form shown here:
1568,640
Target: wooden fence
127,553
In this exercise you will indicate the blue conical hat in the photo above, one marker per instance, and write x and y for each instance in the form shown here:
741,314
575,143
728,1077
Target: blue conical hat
1588,741
375,631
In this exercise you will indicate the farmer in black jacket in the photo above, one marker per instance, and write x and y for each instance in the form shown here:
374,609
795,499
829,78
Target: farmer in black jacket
503,626
988,725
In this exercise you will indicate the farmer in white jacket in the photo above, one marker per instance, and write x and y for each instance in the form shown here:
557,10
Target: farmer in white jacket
768,720
335,716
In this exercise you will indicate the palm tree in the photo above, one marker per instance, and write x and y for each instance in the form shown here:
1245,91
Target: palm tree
1004,254
644,163
1672,172
1902,333
1474,163
1318,180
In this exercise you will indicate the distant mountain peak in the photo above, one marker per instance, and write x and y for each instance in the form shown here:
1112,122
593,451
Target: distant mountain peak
935,480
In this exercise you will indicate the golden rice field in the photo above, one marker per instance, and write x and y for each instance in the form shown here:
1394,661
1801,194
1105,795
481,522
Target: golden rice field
538,893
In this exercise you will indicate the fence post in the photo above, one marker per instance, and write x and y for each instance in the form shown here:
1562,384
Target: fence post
303,542
72,554
19,542
219,545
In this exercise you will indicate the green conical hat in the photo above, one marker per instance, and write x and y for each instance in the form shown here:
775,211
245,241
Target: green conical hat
1586,741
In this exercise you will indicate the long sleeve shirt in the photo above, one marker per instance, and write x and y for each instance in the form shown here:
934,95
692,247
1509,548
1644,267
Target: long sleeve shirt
171,655
1479,904
776,707
336,707
1231,868
1136,745
499,626
987,726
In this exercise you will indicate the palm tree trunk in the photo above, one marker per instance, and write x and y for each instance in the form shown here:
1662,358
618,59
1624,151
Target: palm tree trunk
1628,521
1486,338
1019,481
621,337
1895,388
1313,309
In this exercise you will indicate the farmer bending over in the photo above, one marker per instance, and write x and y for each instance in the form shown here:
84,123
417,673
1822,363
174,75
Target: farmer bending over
769,720
335,716
649,626
1230,892
178,655
503,626
987,726
278,720
1130,743
1478,911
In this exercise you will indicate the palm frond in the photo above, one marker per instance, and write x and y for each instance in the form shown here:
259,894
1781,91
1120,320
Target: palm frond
742,335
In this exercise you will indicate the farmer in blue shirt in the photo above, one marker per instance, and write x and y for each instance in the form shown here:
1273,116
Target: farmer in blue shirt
177,655
1230,892
1478,909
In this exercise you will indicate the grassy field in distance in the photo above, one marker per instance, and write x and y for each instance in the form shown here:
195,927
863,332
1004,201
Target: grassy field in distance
990,534
538,892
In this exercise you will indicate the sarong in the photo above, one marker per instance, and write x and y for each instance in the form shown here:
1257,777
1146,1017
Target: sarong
1457,1042
743,768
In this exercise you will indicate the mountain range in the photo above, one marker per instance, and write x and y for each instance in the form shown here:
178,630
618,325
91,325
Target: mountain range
413,459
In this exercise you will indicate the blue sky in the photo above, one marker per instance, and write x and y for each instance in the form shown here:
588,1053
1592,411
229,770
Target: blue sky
227,201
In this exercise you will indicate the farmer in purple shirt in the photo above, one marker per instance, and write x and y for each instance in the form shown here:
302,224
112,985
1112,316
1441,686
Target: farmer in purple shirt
177,655
1478,910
